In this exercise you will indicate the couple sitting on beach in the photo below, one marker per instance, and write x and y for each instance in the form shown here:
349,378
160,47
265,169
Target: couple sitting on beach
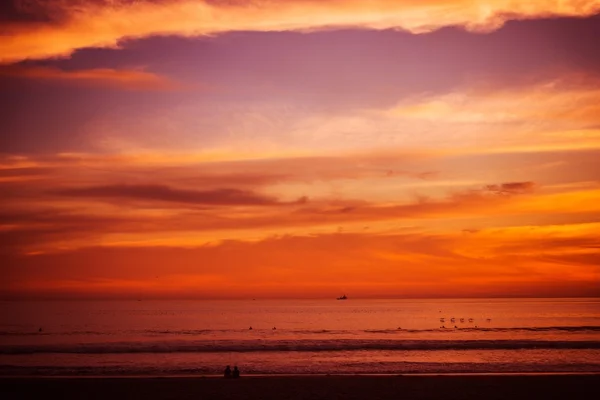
228,374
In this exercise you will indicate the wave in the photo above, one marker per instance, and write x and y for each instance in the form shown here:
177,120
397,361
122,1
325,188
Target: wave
200,332
212,346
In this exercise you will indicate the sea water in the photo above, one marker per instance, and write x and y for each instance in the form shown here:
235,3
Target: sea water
299,336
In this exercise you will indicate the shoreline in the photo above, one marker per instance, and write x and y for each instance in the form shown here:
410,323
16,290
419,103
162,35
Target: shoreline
284,375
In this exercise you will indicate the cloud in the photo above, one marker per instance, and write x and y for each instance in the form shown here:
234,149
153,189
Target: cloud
68,201
487,181
24,11
99,77
568,96
219,197
105,23
511,188
170,222
547,115
216,169
288,91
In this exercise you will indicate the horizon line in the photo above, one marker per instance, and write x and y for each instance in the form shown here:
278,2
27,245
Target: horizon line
15,299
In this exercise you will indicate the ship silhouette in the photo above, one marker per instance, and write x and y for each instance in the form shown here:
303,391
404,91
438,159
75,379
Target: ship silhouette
343,297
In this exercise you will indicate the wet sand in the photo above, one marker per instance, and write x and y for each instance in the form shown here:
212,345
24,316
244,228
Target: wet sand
486,387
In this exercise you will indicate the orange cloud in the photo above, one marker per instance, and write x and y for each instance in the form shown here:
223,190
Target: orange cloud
162,226
59,203
554,114
83,222
104,24
119,78
169,247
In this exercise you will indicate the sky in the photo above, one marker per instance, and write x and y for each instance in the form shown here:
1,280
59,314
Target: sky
306,149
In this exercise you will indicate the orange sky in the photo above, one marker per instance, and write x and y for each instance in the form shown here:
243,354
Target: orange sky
299,149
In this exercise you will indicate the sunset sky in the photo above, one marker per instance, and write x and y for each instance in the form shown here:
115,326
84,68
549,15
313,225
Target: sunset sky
301,148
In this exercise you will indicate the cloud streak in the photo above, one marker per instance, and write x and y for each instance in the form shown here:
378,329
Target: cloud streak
83,24
98,77
223,197
511,188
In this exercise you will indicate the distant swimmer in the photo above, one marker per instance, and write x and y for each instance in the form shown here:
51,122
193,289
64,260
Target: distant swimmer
39,330
250,328
470,319
462,320
455,327
442,320
274,328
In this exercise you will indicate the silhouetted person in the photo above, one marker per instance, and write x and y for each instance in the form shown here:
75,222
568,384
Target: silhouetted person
250,328
39,330
227,372
236,372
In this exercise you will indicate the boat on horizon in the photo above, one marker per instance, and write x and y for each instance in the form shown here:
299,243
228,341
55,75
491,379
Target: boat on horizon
343,297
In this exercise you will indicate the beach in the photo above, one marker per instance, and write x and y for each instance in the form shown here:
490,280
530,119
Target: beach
576,386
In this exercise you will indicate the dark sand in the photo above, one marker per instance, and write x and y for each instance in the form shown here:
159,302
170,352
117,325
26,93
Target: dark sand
512,387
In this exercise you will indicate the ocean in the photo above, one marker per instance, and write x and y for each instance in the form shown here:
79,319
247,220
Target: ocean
354,336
